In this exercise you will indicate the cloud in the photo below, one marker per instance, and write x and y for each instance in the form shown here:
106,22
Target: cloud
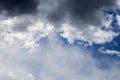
28,35
56,12
118,19
22,27
51,61
26,28
31,49
18,7
107,51
21,59
91,34
80,13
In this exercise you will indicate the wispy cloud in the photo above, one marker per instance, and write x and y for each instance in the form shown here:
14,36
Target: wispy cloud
47,61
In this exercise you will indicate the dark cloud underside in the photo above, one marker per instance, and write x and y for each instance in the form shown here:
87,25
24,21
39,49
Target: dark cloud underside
80,11
18,7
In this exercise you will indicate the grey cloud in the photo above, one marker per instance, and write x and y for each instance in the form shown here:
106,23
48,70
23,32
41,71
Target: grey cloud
21,23
86,12
18,7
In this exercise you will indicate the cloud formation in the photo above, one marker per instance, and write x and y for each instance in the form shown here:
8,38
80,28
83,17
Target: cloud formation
31,50
18,7
91,35
80,12
38,53
50,61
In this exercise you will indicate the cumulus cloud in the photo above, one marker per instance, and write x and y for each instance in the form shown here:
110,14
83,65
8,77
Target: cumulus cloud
91,35
29,33
78,14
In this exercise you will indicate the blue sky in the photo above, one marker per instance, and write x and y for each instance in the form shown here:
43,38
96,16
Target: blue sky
44,46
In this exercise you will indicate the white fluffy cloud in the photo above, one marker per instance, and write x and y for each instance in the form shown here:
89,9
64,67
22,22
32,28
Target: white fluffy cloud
91,34
34,31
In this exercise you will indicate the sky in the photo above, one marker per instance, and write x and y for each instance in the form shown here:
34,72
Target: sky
59,40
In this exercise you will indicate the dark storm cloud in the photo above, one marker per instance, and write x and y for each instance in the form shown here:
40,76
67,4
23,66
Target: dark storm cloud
18,7
80,11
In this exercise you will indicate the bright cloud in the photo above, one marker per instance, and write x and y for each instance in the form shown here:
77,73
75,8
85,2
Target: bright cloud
92,34
51,61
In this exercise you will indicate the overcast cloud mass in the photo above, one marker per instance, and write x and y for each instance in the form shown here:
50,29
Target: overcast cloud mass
17,7
86,12
59,40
